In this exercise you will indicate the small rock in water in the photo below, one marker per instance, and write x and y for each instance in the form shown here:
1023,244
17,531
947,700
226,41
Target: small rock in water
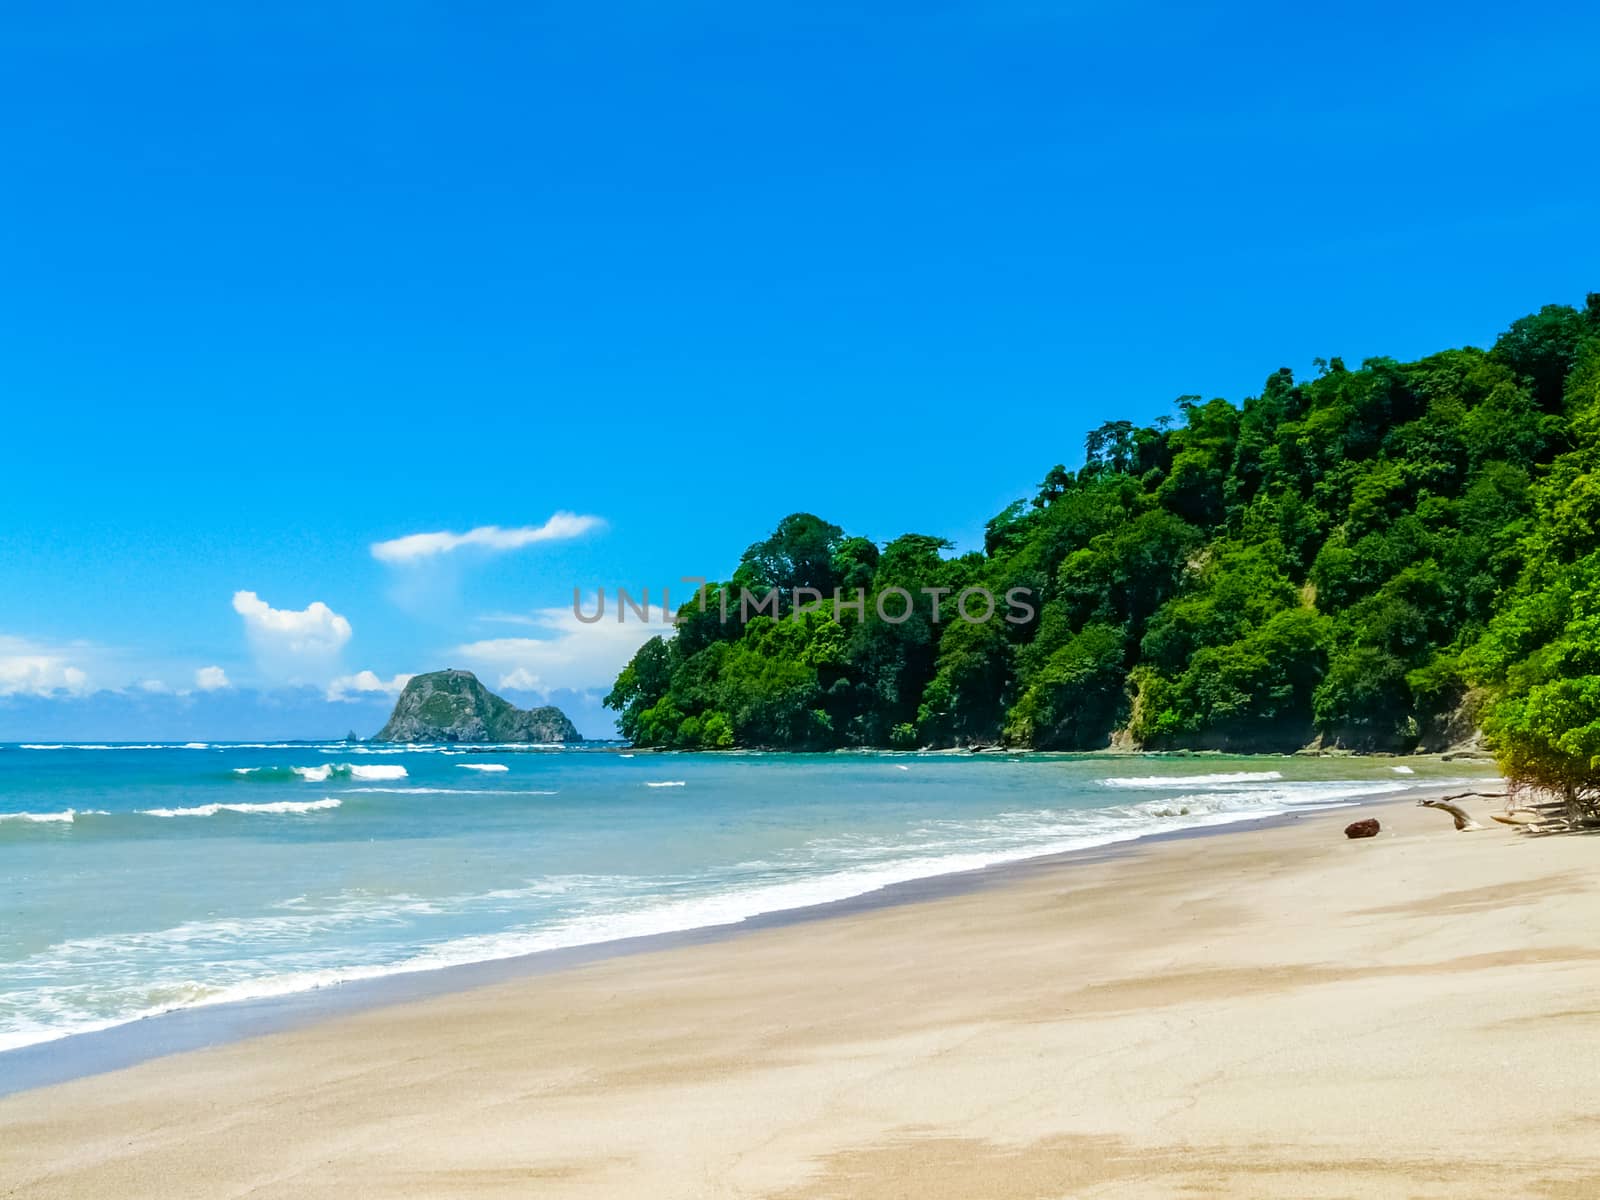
1361,829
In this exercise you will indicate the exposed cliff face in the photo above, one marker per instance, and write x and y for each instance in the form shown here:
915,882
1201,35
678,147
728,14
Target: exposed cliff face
452,706
1460,730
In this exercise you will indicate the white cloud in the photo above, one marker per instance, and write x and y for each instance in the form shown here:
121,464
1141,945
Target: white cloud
211,679
415,547
509,619
32,668
80,668
351,687
574,655
292,645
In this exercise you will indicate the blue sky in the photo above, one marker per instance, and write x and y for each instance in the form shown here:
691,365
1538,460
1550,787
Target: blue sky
283,285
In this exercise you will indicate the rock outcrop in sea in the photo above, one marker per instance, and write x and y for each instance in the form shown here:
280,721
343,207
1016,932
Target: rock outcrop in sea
453,706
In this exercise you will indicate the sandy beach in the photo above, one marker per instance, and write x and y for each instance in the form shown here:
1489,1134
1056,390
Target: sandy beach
1272,1012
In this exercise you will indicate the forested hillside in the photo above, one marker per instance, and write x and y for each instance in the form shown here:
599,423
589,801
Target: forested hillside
1324,561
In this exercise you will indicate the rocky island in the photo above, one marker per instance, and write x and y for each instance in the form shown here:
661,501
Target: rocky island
453,706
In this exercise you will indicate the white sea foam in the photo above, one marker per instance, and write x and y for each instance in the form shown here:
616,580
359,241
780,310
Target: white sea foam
95,746
32,1034
482,767
215,939
279,807
325,772
357,771
1184,781
98,746
401,748
66,816
665,783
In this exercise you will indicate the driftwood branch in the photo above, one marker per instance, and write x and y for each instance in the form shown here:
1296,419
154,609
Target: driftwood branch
1552,814
1464,821
1520,817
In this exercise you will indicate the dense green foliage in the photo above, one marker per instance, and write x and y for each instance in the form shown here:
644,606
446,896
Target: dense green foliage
1320,562
1541,654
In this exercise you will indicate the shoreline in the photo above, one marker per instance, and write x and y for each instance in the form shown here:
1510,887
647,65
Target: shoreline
1285,1013
196,1027
614,746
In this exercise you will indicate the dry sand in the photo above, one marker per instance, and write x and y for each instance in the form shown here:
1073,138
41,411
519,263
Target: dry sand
1270,1013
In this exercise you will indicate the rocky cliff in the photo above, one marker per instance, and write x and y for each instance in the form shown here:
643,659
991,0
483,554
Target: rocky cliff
452,706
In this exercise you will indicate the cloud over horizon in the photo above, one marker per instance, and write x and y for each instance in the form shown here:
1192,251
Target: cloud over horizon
289,644
365,685
417,547
34,668
575,656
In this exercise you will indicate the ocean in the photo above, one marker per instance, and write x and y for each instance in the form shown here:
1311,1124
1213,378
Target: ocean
139,879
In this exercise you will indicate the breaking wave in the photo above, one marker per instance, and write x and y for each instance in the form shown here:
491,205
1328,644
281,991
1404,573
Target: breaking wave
279,808
1185,781
320,774
65,817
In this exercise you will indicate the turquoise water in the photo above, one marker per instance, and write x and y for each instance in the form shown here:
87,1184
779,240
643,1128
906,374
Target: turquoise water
134,880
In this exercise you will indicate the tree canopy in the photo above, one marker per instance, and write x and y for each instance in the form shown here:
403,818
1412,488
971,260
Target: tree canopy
1349,557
